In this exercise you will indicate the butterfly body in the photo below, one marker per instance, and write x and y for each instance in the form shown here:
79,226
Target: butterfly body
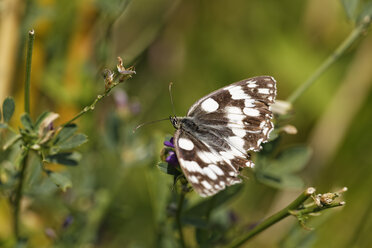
214,140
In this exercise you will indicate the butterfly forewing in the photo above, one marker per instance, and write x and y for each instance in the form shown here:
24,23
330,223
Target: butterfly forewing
221,128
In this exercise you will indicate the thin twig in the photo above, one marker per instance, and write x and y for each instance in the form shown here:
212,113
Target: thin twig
353,36
31,37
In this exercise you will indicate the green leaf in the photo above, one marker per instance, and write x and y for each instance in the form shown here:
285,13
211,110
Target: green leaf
12,141
61,180
73,142
292,159
366,11
168,169
213,202
41,118
65,133
27,122
280,181
8,109
350,7
65,158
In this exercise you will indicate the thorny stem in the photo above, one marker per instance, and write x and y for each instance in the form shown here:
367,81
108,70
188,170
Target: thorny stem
19,192
178,217
291,209
31,37
353,36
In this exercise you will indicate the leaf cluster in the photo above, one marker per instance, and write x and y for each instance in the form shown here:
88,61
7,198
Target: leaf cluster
51,145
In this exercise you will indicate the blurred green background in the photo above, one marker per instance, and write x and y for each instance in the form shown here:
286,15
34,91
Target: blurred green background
119,197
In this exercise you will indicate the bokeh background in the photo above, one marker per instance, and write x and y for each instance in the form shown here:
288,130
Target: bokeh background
119,197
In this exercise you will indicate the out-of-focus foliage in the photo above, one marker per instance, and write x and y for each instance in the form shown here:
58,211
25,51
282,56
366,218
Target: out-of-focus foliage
119,197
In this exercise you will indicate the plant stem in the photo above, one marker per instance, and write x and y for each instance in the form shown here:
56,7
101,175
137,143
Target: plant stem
273,219
19,192
31,37
353,36
178,218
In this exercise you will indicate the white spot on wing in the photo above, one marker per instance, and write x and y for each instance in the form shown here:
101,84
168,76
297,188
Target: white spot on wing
236,142
216,169
263,91
193,179
227,155
237,93
249,103
190,166
251,112
238,132
203,156
186,144
251,84
233,110
206,185
207,171
209,157
209,105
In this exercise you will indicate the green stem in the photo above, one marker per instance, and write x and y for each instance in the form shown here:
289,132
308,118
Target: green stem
18,196
31,37
353,36
273,219
316,209
178,217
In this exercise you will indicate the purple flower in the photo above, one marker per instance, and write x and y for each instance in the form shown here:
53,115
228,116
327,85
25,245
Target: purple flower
68,221
169,143
172,158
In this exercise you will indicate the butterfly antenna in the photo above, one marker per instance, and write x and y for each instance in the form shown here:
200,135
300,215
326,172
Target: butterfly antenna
149,122
171,98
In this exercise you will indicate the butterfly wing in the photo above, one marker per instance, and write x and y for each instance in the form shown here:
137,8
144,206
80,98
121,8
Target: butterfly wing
220,129
204,166
241,110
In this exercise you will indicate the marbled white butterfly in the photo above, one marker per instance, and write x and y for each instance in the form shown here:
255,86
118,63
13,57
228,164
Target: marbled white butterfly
214,140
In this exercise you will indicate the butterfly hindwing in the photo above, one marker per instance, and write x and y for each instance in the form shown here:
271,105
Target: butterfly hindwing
204,167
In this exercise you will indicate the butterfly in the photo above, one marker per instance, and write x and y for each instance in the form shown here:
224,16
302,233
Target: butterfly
215,139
